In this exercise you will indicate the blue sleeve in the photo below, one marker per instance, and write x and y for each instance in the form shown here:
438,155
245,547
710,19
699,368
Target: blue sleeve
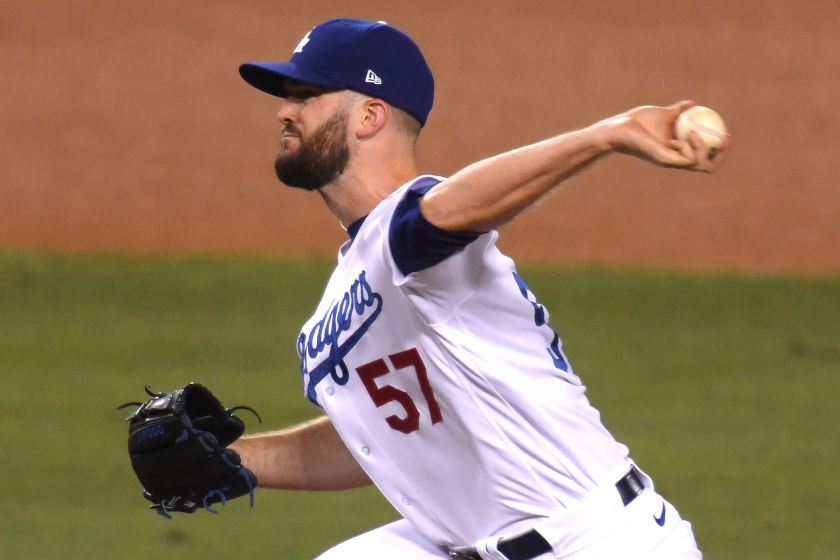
416,244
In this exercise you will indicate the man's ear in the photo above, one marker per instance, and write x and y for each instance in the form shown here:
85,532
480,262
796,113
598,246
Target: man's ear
374,115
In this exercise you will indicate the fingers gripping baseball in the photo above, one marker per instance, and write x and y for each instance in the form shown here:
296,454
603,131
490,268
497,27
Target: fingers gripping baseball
649,132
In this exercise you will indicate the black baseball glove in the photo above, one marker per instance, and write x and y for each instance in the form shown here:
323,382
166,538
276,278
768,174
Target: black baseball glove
177,444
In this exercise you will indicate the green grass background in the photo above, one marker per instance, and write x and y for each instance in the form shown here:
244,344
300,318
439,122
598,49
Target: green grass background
725,388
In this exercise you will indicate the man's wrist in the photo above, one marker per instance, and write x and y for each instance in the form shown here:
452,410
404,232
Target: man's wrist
605,136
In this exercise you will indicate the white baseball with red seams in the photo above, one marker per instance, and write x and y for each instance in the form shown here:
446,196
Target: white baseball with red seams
706,123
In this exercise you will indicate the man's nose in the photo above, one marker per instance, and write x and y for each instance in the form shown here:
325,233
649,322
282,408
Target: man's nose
288,112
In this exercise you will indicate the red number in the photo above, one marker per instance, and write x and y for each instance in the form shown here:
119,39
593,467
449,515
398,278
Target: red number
382,395
408,358
368,373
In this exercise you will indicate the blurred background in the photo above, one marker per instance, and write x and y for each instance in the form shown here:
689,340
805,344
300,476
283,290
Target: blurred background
145,240
126,127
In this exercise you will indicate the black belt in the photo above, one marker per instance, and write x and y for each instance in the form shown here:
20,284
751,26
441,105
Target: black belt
630,486
532,544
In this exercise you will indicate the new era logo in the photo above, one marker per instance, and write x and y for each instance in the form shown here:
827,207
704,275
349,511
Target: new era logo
373,78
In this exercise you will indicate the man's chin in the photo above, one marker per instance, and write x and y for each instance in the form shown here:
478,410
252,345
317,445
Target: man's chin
289,145
300,183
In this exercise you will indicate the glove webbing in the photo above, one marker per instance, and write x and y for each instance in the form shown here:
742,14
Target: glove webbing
163,506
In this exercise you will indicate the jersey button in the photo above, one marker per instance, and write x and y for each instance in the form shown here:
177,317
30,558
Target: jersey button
406,500
330,391
365,450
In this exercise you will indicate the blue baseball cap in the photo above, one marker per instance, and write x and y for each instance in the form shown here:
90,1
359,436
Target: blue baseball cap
373,58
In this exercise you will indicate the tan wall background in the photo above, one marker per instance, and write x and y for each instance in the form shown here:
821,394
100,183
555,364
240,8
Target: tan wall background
125,126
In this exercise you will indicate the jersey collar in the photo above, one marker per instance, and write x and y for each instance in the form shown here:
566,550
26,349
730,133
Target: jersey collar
353,229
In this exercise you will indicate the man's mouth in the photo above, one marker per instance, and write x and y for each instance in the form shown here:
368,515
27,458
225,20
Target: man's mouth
289,131
287,136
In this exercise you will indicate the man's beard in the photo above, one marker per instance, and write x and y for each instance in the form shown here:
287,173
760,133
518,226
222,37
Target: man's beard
320,159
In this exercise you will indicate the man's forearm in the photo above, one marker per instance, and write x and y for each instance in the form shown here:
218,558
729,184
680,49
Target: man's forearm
490,193
493,191
310,456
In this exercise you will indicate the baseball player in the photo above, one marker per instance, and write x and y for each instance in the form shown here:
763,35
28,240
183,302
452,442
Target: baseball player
440,376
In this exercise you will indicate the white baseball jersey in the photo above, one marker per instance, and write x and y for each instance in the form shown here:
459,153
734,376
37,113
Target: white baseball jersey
452,391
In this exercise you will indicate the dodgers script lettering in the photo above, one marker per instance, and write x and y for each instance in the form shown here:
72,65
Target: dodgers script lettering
326,334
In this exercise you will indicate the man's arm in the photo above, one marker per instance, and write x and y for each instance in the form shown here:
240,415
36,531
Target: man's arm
490,193
310,456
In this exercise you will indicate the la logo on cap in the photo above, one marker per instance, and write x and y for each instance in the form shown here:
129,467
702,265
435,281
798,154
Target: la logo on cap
302,43
373,78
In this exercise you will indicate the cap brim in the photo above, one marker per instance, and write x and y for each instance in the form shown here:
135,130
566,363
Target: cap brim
270,77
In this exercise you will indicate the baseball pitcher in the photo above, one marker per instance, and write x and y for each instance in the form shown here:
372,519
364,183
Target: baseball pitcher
438,372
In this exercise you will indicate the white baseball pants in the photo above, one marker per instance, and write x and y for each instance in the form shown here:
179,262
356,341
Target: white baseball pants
642,538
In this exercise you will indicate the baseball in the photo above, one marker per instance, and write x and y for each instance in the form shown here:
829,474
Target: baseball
706,123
